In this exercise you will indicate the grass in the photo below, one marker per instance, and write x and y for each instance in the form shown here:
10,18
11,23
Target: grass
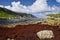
6,15
54,15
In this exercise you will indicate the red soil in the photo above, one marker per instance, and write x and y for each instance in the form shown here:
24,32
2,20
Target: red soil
28,32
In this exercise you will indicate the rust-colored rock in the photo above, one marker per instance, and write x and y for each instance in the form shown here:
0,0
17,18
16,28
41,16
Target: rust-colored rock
28,32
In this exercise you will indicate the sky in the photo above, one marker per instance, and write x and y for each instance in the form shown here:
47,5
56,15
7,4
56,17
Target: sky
38,8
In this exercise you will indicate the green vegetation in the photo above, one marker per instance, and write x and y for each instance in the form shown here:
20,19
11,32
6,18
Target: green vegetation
5,15
54,15
52,19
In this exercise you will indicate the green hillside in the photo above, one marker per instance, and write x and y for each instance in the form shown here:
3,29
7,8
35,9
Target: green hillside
54,15
4,14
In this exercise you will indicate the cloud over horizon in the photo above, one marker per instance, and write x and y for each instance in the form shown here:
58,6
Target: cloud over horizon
58,1
37,6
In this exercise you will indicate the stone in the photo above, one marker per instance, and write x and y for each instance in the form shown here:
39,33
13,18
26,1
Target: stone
45,34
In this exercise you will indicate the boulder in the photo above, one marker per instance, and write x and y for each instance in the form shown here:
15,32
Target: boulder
45,34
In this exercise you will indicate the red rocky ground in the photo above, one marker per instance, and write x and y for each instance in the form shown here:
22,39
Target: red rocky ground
28,32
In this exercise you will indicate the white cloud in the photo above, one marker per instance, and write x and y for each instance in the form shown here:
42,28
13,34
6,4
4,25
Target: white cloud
17,6
56,8
58,1
1,6
37,6
8,7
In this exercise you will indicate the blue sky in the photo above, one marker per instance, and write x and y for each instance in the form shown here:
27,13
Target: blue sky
24,2
53,2
28,2
38,8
